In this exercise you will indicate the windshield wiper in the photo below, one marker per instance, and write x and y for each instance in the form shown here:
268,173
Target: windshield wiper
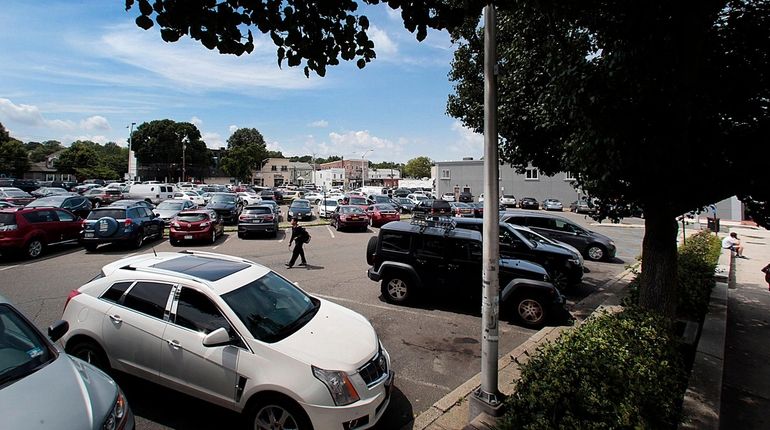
299,322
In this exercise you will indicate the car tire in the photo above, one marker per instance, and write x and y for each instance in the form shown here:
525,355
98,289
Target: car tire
530,311
173,242
559,279
241,235
34,248
277,412
213,235
90,247
596,252
337,226
90,352
139,241
397,288
371,249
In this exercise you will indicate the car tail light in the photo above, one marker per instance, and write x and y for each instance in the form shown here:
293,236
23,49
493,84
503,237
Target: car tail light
127,223
72,294
269,218
243,217
84,224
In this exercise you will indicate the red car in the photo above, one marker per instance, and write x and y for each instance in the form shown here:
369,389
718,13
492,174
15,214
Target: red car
349,216
199,224
353,200
15,196
382,213
31,230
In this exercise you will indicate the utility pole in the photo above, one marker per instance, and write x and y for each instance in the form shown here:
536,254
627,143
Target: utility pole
184,166
363,160
487,397
129,176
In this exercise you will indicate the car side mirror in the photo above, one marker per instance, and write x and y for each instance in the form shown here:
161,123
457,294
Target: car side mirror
57,330
154,215
218,337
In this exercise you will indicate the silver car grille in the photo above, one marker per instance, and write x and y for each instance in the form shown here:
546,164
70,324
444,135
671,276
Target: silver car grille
374,370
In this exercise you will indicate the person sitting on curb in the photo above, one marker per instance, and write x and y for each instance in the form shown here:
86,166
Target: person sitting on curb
733,244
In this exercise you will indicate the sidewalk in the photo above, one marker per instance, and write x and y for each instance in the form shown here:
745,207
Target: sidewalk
746,377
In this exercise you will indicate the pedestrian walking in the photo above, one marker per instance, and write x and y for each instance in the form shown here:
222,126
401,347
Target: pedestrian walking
299,236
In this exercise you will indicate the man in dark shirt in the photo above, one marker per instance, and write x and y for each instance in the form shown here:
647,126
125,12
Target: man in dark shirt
299,237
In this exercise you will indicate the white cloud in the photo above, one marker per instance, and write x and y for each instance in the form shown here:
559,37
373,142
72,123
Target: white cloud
213,140
96,122
30,115
469,143
275,146
233,128
197,122
383,44
320,123
93,138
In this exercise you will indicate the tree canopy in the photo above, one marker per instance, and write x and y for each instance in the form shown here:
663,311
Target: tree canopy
417,168
158,145
86,159
13,156
317,34
246,149
647,103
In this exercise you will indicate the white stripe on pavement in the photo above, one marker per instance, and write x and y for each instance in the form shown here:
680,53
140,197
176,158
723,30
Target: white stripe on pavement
425,384
383,307
287,233
9,267
330,231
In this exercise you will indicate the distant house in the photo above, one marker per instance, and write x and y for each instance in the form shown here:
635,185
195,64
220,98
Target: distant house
46,170
274,173
300,173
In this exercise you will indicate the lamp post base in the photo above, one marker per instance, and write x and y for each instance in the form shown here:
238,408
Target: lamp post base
483,402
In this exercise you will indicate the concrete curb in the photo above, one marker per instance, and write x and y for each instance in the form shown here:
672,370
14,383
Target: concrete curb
451,411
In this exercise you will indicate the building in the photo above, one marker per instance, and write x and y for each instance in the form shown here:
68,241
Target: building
328,178
300,173
274,173
355,170
384,177
468,175
46,170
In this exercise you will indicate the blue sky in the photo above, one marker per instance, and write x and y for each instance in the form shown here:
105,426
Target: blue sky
83,70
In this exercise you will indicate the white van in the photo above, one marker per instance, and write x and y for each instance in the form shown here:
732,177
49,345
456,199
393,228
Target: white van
368,191
153,193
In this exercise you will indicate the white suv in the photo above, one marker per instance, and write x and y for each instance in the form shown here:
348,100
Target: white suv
234,333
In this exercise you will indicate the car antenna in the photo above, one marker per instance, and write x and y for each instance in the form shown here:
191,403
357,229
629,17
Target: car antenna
153,251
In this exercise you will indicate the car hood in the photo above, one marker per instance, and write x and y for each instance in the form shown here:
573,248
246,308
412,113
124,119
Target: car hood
335,339
521,265
65,394
554,249
600,237
213,205
166,213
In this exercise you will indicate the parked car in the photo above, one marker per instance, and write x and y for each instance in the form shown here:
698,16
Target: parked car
31,230
226,206
382,213
345,216
401,192
132,202
168,209
355,200
408,259
417,198
49,191
461,209
151,192
41,387
465,197
553,205
76,204
565,268
15,196
202,225
257,219
448,197
131,225
233,332
290,195
25,185
192,196
529,203
378,198
592,245
326,207
80,189
431,208
102,197
404,205
314,197
268,195
274,207
478,209
506,201
582,207
4,204
249,198
534,236
299,209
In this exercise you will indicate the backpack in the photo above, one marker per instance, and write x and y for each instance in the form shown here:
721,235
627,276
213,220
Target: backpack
306,237
303,236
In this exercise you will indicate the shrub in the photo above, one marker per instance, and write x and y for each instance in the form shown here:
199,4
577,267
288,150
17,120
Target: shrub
696,262
616,371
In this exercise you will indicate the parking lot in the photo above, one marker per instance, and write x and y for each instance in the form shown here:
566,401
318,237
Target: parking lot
434,344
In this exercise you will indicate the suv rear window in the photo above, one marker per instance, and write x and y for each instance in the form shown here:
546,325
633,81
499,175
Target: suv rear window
7,219
109,212
192,217
395,242
258,211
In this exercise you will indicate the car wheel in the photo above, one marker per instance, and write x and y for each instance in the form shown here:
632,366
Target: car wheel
34,248
139,241
89,352
241,235
173,242
530,312
595,252
276,413
396,289
90,247
371,249
213,235
559,279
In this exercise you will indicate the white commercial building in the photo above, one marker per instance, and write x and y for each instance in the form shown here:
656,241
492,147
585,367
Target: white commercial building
328,178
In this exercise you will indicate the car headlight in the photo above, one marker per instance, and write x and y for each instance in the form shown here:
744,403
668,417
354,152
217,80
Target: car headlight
342,390
175,224
116,416
291,213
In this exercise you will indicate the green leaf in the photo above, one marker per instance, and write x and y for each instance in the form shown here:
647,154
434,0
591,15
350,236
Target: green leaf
144,22
144,7
361,63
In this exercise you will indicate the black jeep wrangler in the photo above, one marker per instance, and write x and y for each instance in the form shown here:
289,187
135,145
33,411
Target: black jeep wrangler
413,257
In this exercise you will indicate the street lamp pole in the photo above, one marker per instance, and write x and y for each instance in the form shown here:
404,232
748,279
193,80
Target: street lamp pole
184,166
363,160
130,133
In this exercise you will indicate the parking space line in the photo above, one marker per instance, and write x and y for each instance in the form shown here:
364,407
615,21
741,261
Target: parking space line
383,307
286,234
9,267
330,231
427,384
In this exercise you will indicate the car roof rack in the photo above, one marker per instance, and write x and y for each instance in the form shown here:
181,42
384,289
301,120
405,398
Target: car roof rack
443,222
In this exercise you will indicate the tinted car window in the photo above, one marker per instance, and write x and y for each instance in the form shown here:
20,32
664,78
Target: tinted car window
112,213
351,210
563,226
23,349
7,219
133,213
264,210
65,216
148,298
196,312
192,217
395,242
537,222
429,246
115,292
40,216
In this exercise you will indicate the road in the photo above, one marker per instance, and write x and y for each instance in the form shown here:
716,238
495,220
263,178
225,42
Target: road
434,346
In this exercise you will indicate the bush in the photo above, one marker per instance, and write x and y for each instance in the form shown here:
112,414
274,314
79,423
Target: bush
615,371
696,262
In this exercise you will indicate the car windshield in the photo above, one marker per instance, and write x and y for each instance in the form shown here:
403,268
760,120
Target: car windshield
351,210
14,193
192,217
300,204
170,206
112,213
404,201
223,198
46,201
385,207
381,199
23,348
271,307
330,202
534,237
357,201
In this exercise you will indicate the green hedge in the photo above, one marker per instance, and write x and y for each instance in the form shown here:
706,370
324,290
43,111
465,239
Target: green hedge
616,371
696,262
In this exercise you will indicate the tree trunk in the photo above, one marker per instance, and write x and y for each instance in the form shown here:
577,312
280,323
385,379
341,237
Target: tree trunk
659,253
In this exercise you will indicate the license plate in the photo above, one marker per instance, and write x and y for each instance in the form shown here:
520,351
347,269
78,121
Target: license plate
89,235
188,236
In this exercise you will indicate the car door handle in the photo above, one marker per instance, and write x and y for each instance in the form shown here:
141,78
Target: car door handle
174,344
116,319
